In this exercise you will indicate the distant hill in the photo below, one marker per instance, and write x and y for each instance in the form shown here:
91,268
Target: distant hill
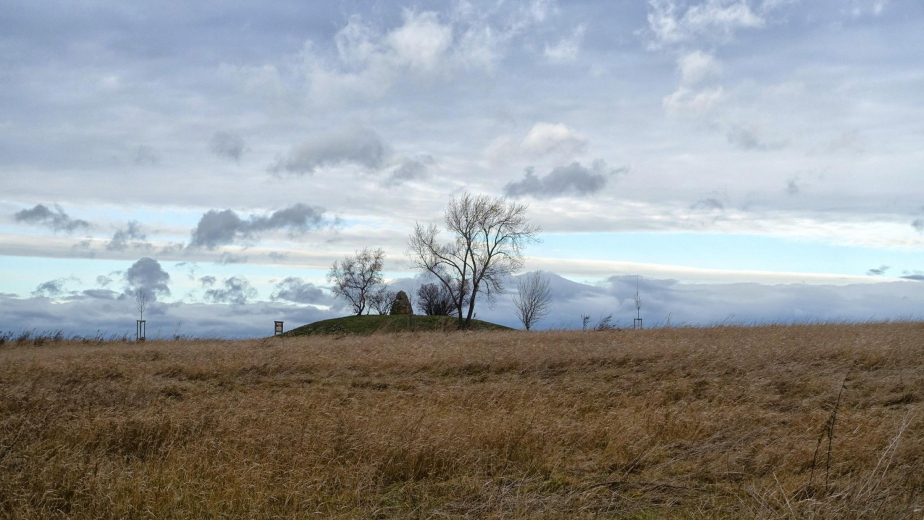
368,324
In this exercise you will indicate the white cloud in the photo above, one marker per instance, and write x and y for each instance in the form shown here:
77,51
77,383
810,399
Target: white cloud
687,101
567,48
671,22
697,67
545,138
426,46
422,43
542,139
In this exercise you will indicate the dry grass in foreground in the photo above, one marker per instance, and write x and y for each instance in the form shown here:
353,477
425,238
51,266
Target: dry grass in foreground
776,421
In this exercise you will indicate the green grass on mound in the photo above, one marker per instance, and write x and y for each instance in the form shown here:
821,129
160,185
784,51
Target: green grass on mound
369,324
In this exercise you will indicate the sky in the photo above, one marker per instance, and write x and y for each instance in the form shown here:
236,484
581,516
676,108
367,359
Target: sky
745,161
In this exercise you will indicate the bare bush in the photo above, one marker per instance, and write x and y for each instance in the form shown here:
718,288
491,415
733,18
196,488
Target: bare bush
381,299
533,299
435,300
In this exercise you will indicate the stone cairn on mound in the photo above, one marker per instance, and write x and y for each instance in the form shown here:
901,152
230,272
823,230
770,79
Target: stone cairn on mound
401,305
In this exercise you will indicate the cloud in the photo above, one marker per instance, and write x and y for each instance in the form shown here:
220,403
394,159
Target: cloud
356,145
918,225
296,290
684,303
234,290
708,204
146,274
103,281
878,271
673,22
546,138
541,140
688,101
567,48
51,288
423,48
421,43
130,237
218,228
56,220
747,137
100,294
208,281
847,142
98,314
573,179
146,156
227,258
227,145
697,67
410,169
793,187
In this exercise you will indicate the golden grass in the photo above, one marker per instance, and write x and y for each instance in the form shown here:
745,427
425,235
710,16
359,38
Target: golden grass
686,423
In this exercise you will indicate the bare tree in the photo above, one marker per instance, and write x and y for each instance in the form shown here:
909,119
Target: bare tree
356,276
141,301
381,299
489,236
533,299
435,300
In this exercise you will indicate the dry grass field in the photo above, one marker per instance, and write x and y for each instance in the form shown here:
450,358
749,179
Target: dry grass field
730,422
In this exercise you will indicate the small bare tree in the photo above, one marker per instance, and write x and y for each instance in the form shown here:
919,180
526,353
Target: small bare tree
489,236
533,299
356,276
381,299
435,300
141,301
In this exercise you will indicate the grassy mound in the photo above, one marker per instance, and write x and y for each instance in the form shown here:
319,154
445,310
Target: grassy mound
369,324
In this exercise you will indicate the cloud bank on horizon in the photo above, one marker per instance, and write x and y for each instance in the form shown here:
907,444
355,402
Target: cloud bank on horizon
263,143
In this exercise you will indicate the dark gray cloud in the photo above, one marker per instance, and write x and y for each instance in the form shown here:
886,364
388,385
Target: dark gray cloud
217,228
146,156
208,281
91,315
100,294
50,289
878,271
918,225
146,274
355,145
663,302
294,289
410,169
171,249
234,290
131,237
708,204
277,256
747,137
56,220
227,145
573,179
227,258
103,281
